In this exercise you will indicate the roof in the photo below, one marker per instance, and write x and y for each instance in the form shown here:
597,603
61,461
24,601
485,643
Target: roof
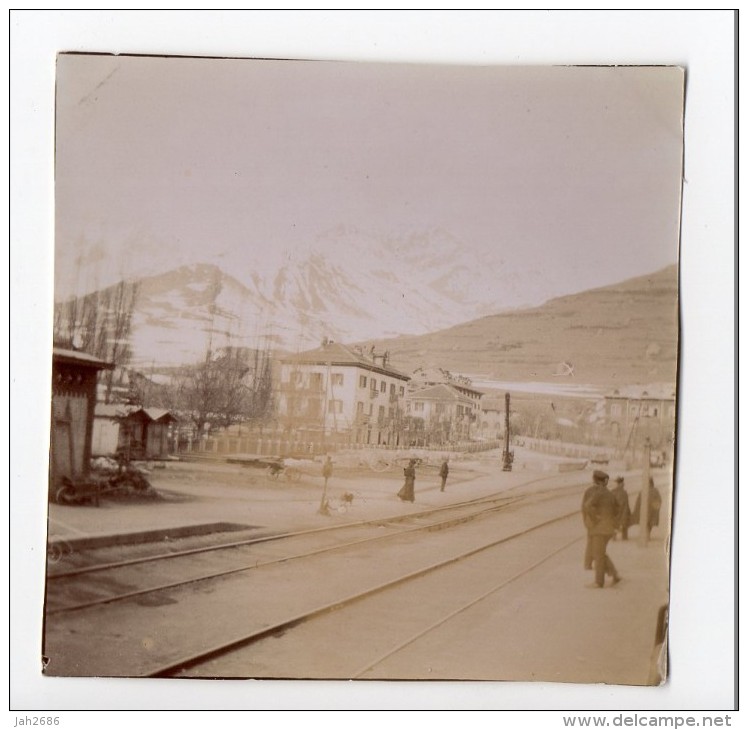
120,410
337,354
441,392
435,376
82,359
160,414
653,391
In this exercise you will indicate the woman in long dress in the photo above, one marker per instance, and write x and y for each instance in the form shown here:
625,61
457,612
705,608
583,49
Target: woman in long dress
408,491
655,502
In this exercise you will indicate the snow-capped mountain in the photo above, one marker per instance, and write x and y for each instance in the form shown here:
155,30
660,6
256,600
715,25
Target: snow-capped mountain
346,285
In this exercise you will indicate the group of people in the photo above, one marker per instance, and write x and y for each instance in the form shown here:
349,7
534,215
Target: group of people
605,514
408,491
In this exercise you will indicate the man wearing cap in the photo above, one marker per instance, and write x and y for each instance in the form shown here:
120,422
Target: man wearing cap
600,515
624,511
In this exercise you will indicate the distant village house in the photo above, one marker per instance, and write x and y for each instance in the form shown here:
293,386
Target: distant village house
446,407
638,412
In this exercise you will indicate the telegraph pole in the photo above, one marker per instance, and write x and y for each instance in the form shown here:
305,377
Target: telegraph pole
644,502
507,456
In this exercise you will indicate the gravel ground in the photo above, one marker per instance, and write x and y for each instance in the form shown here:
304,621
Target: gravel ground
549,626
194,493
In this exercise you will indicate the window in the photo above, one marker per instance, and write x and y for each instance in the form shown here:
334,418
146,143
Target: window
418,405
373,383
314,407
335,406
315,381
383,387
381,413
359,407
402,391
361,381
392,389
336,379
615,409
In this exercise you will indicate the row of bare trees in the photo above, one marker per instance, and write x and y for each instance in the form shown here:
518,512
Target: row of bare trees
230,385
99,324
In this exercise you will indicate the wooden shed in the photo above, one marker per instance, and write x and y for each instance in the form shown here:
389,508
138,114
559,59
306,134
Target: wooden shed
137,433
158,433
74,377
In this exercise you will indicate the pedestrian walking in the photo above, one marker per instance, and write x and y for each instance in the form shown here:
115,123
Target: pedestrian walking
588,525
624,511
655,502
600,514
327,470
324,507
444,473
408,491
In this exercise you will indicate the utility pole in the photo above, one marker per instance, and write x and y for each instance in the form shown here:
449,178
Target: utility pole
324,508
644,502
507,456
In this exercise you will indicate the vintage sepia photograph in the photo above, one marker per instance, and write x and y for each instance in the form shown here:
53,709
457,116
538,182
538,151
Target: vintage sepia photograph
363,371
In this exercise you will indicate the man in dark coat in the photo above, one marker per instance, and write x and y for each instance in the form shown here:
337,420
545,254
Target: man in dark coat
444,473
600,514
588,524
624,511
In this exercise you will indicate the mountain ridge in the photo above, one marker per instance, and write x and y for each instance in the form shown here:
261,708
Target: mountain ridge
625,333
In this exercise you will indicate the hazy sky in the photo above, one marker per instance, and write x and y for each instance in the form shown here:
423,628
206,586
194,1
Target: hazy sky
165,161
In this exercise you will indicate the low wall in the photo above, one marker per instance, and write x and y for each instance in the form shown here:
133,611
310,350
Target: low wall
270,445
560,448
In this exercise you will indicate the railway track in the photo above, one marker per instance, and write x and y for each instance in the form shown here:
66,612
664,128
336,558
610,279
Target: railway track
186,624
219,660
112,581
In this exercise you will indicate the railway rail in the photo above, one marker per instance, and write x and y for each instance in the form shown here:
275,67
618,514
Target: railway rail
186,666
422,521
100,632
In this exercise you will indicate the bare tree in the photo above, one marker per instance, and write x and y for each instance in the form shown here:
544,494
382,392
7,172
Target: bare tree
227,387
100,324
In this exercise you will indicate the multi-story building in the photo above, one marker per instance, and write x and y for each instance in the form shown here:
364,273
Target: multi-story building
445,412
638,412
340,389
491,418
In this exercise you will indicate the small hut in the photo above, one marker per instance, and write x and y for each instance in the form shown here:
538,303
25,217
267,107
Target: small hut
74,376
158,433
135,432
